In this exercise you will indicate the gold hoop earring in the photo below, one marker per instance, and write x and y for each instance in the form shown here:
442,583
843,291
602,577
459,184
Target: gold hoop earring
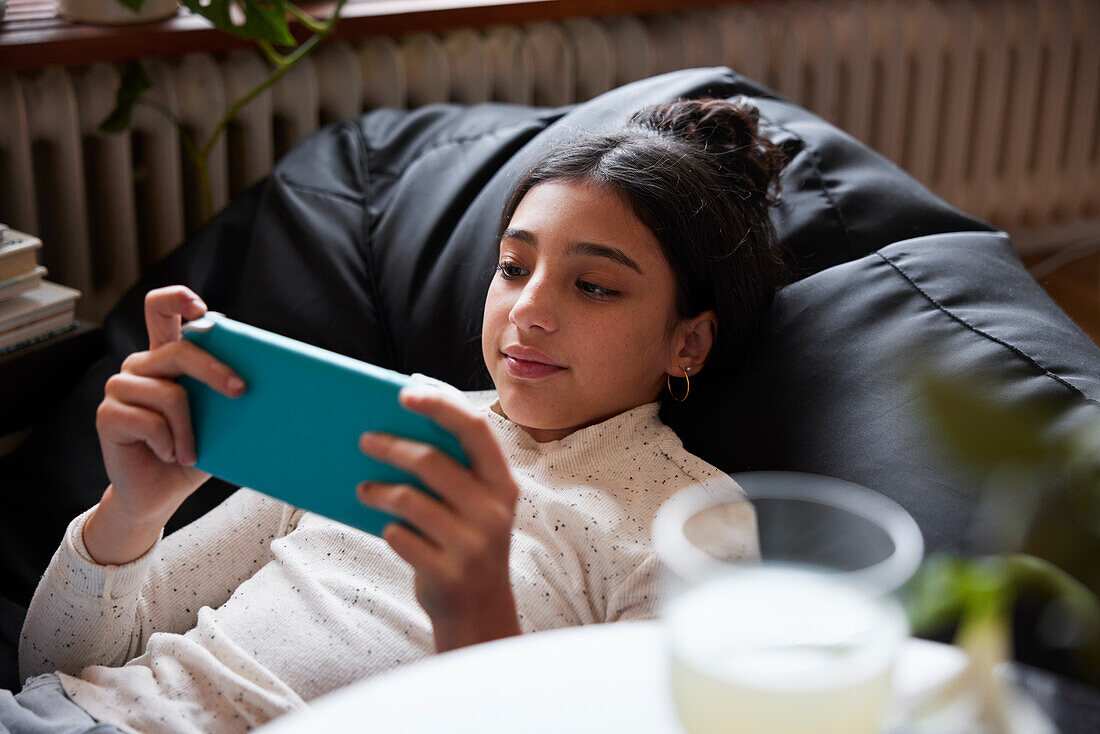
668,381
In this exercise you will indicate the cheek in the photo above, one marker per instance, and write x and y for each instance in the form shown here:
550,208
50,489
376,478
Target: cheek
496,308
492,321
634,343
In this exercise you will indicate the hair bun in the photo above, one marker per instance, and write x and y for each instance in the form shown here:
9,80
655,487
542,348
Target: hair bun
728,134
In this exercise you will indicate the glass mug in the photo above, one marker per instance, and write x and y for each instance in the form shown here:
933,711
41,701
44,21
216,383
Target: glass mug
802,637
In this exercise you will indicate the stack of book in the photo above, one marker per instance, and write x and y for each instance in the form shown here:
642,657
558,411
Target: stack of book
31,308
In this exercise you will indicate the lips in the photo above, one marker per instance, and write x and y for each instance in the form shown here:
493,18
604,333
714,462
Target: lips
529,354
528,363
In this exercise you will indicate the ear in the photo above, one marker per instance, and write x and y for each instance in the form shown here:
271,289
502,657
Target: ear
692,343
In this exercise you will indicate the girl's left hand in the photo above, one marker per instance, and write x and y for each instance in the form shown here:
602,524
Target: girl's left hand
460,555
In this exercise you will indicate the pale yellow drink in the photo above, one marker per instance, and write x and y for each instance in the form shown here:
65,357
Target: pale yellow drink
770,650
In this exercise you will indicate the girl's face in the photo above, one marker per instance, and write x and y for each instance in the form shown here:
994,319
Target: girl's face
576,318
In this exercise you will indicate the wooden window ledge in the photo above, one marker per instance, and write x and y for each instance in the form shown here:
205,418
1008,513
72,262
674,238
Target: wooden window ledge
33,36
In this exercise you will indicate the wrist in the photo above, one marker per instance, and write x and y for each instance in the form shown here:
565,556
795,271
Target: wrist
489,619
114,537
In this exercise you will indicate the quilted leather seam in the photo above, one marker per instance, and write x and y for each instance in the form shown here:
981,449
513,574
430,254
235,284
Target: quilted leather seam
465,139
825,189
367,250
815,163
955,317
287,180
357,201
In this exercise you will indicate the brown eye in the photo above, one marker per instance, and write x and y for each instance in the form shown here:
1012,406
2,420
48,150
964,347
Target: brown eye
596,291
509,271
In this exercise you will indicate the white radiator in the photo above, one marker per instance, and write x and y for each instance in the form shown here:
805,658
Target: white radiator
994,104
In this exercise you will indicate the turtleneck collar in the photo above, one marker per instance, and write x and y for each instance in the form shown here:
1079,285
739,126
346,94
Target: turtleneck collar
598,445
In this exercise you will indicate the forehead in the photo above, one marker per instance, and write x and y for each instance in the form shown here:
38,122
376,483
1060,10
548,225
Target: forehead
561,213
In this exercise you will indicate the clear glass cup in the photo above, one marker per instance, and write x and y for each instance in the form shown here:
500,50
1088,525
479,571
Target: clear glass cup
780,618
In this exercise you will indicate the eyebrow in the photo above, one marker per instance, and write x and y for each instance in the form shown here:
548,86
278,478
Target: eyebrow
577,249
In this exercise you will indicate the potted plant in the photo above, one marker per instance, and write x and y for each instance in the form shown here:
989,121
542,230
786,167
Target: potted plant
266,23
1043,490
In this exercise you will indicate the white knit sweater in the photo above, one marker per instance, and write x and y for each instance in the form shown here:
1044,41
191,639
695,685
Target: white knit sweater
257,607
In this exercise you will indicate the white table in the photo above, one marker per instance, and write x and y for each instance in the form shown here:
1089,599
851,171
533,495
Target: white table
598,678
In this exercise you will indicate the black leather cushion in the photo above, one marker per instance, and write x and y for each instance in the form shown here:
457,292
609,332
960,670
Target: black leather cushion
375,238
831,389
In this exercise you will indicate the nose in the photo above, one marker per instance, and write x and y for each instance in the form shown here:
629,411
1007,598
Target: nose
534,308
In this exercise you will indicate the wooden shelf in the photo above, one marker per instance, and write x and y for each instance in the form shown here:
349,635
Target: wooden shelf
33,36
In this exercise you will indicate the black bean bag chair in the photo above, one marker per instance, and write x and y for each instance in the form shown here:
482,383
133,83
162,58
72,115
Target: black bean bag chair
376,238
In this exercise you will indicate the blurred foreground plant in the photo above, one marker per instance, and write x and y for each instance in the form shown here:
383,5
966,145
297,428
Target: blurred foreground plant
979,594
267,22
1041,494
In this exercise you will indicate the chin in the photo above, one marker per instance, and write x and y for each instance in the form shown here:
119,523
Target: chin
526,410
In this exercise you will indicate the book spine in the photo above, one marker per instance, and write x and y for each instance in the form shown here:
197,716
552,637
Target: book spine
36,339
39,315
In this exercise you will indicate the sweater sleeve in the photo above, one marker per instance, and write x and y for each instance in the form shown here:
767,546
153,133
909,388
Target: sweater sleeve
84,613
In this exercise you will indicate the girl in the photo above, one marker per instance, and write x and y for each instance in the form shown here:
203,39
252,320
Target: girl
625,260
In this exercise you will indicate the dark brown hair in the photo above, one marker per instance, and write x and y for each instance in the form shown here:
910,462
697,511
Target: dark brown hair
702,177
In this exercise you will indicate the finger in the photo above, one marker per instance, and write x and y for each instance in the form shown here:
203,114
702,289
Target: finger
416,507
164,397
454,483
185,358
414,549
127,424
471,429
164,312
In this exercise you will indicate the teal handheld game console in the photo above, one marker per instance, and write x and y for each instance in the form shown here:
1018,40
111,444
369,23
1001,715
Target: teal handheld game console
294,433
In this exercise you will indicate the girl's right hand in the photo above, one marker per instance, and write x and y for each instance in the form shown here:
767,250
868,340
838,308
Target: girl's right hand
144,427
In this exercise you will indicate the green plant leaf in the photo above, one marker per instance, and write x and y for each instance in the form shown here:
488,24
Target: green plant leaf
267,20
948,588
1085,449
986,432
264,20
1032,573
934,598
134,83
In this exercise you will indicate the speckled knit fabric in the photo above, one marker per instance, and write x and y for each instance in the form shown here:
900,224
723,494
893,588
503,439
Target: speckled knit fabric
257,607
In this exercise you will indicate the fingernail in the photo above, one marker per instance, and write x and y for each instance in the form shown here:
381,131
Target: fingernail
236,384
410,392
